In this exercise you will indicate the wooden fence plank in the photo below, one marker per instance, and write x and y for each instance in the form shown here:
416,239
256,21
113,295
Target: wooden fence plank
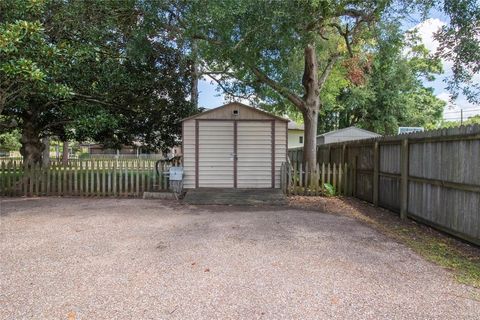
121,182
15,179
376,170
114,183
98,184
340,176
4,183
9,178
137,178
142,177
92,178
64,181
127,178
36,169
31,180
404,180
109,178
334,179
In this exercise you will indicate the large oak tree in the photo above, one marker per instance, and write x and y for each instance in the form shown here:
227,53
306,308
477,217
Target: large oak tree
248,46
95,70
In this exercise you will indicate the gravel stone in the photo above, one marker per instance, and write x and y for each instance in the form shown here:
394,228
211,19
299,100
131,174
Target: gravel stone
72,258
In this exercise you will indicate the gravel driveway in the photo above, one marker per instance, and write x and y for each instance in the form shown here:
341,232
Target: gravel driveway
148,259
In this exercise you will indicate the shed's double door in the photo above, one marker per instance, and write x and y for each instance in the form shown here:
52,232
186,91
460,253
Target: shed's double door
235,154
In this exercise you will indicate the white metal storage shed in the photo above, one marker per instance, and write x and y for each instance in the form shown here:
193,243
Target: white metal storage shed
233,146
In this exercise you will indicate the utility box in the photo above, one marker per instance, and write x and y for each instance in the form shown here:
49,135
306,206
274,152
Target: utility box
176,174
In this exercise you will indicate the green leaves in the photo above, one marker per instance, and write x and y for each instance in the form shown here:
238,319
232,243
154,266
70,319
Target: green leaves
460,44
385,87
96,70
10,141
329,190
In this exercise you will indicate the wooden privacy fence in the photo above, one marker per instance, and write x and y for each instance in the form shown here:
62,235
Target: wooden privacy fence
432,177
83,178
295,178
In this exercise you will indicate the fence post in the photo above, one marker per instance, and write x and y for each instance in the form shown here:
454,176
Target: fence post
354,177
334,177
322,187
404,180
300,175
375,172
137,178
114,183
3,181
64,177
340,179
31,178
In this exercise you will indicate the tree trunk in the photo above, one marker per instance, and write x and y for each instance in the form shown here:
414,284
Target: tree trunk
310,120
195,76
194,93
65,153
311,108
32,147
46,152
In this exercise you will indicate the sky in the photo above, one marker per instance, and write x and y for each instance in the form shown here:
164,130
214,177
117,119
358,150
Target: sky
209,97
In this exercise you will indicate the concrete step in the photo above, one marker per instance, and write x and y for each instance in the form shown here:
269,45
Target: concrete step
229,196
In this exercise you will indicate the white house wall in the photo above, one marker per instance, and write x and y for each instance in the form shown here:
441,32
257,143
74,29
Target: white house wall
294,138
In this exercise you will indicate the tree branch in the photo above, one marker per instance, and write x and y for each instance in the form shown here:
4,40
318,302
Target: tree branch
328,69
52,124
228,92
91,99
5,125
345,34
283,91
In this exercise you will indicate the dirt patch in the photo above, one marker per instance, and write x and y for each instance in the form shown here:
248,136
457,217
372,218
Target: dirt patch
458,256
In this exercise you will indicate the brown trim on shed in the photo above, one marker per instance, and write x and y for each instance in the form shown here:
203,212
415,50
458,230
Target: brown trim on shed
286,142
183,142
273,154
236,103
243,120
235,157
196,152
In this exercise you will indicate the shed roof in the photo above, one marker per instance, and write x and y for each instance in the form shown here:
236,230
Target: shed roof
292,125
239,104
373,134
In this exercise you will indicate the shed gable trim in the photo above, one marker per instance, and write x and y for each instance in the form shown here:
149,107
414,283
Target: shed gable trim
348,129
239,104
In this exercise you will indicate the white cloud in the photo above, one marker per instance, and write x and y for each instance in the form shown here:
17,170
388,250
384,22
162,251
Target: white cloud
426,29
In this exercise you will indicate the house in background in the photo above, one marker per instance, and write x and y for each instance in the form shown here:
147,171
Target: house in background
295,135
345,134
134,151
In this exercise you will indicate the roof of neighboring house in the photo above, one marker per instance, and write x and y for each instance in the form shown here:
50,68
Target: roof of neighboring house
239,104
349,129
292,125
